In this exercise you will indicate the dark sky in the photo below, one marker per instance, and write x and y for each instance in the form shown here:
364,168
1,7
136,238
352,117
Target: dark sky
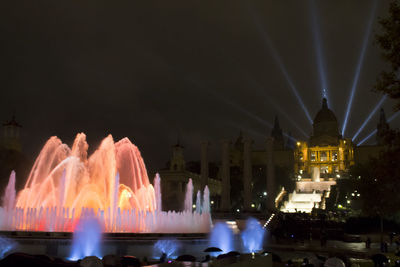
151,70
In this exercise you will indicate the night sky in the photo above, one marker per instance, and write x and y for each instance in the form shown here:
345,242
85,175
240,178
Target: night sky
200,70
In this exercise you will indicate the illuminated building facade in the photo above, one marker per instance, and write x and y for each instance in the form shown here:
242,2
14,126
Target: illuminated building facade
318,162
325,150
295,176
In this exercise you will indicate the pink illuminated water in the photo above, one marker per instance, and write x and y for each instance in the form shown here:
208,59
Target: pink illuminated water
112,184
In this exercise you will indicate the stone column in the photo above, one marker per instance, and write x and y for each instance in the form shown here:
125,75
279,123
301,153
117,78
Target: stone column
270,174
226,177
204,164
247,173
316,174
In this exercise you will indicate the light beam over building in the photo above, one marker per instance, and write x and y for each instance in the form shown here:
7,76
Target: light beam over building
374,131
358,68
318,49
279,62
369,117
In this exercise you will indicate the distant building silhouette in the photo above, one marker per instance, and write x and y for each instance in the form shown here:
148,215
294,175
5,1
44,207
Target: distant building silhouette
296,176
175,177
382,128
362,154
276,133
11,135
11,156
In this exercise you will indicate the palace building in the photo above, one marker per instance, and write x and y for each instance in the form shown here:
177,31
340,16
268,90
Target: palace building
324,158
286,174
326,149
318,162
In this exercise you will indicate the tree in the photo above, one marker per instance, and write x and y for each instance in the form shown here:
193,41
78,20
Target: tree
388,82
378,181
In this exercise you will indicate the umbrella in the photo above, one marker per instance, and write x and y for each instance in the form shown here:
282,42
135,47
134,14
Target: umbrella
334,262
223,256
91,261
186,258
233,253
379,259
230,254
212,249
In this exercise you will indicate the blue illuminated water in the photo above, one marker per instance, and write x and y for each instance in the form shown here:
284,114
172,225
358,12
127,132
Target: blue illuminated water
222,237
6,245
253,236
86,239
169,247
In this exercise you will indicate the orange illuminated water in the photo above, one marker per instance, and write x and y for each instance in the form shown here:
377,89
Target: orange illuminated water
111,184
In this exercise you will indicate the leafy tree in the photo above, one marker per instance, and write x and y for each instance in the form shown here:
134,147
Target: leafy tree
378,181
389,40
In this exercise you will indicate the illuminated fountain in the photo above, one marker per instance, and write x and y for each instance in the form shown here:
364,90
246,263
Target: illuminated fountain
169,247
253,236
112,184
6,245
222,237
87,238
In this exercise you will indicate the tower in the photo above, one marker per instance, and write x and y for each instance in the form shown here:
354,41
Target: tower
11,133
177,160
382,128
276,134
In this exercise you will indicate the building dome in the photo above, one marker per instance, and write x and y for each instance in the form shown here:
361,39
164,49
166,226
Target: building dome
325,114
325,127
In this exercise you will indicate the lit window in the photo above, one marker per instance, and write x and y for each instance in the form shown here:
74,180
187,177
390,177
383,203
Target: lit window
336,168
312,156
324,156
324,169
334,156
